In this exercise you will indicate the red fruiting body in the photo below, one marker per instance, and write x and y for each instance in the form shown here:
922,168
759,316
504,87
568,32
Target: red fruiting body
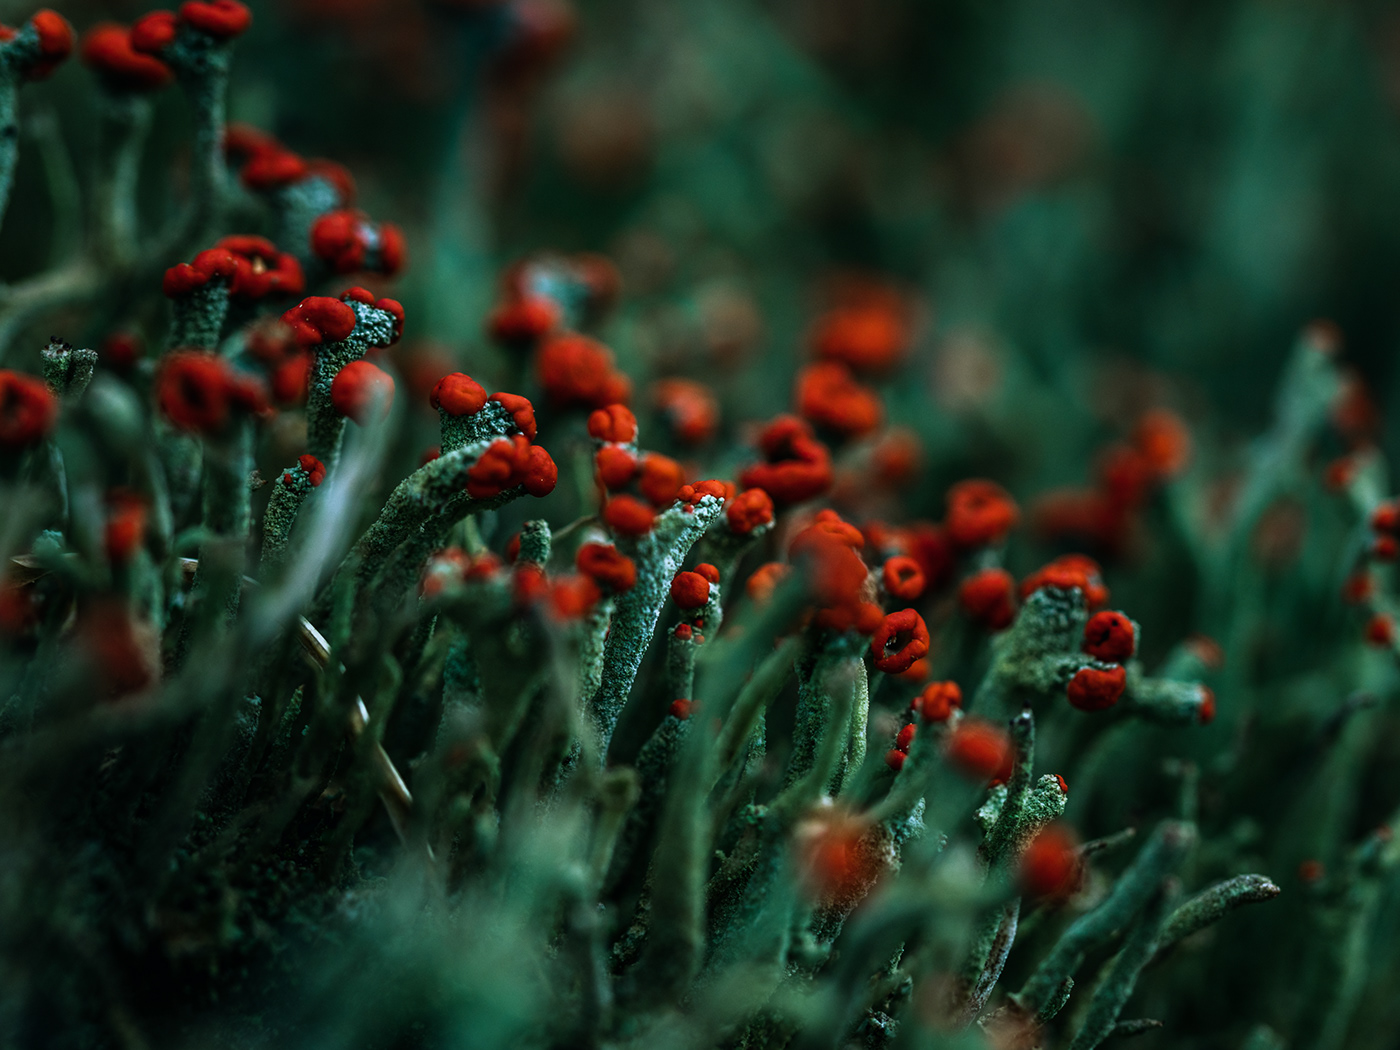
828,524
315,469
928,546
221,19
1049,865
720,490
749,510
608,566
905,737
1358,587
836,575
106,49
829,396
55,37
320,319
1386,517
361,387
572,597
125,529
690,408
1110,637
1060,781
200,391
710,572
1125,476
577,370
244,141
522,412
661,479
1164,442
979,750
613,423
797,467
344,239
690,590
121,350
1096,689
868,337
900,639
628,516
27,410
1380,630
1067,572
616,466
1205,714
291,380
509,462
521,323
895,759
763,581
260,269
896,458
458,395
903,579
938,701
273,168
980,513
986,598
208,265
1385,548
680,709
152,33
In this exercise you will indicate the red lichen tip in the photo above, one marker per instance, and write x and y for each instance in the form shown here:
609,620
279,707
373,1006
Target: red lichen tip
979,750
980,513
986,598
1205,714
690,408
55,43
1066,573
710,572
522,322
458,394
572,597
901,638
938,701
28,410
522,412
895,759
1049,866
1096,689
125,528
681,709
273,168
797,467
220,19
905,737
616,466
320,319
614,423
211,264
152,33
314,468
577,370
1110,637
903,579
628,516
361,388
345,240
106,49
608,567
829,396
749,510
1380,630
511,462
660,479
201,392
690,590
260,269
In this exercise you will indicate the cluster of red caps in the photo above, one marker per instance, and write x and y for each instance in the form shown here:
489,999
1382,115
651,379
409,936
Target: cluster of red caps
1103,515
1360,587
55,43
132,59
